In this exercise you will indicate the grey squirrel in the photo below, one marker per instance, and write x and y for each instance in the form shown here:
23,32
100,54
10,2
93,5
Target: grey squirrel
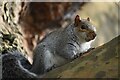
63,45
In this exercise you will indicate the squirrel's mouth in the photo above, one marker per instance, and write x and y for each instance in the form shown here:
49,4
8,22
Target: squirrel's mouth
90,36
88,39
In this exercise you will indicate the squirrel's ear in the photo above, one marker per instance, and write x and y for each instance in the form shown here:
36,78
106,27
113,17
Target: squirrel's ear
88,19
77,20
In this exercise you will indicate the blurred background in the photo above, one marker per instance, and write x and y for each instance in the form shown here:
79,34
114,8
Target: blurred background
31,21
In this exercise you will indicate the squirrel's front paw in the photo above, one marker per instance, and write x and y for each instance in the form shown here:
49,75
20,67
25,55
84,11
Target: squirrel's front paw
87,52
76,56
91,48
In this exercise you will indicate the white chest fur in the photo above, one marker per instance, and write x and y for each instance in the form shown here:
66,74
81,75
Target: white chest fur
84,47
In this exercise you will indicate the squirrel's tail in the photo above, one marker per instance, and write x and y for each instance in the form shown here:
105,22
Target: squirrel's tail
13,68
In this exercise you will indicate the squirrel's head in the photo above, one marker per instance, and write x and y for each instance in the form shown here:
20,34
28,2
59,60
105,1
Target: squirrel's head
84,28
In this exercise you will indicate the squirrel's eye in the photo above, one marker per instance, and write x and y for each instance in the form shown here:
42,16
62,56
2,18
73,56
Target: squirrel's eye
83,27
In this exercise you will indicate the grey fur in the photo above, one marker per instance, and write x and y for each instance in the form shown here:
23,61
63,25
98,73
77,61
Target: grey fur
12,67
59,47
